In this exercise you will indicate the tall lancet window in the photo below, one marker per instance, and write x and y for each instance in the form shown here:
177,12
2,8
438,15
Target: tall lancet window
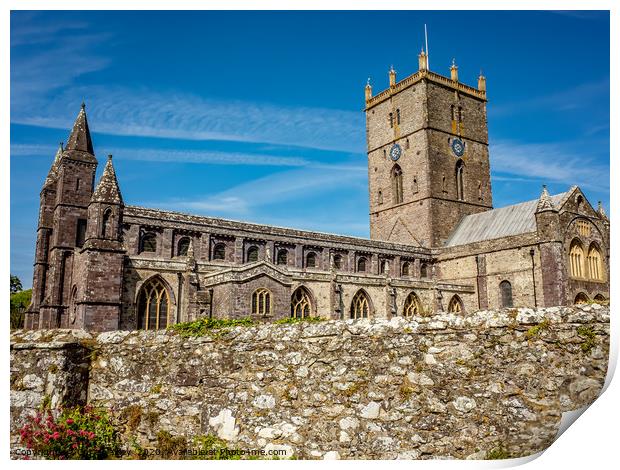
105,223
397,184
460,166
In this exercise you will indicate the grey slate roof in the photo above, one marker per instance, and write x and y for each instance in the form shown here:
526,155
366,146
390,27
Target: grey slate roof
498,223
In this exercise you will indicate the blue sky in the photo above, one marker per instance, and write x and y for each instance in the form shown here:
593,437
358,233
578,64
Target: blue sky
258,116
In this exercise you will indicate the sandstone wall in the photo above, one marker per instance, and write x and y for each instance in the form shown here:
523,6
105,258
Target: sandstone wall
440,386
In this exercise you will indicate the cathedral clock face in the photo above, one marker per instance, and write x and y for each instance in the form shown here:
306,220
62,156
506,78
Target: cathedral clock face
395,152
458,147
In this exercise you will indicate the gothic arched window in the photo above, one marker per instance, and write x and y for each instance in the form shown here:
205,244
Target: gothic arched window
183,246
301,306
360,305
405,269
105,223
384,266
505,289
338,261
397,184
148,243
252,254
311,260
581,298
219,251
595,264
459,180
361,265
423,270
576,259
455,305
282,257
412,306
261,302
153,305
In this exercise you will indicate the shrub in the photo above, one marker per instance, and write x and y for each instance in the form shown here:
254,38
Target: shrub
83,433
202,326
293,320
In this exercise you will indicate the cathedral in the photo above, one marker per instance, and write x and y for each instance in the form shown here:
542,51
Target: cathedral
436,242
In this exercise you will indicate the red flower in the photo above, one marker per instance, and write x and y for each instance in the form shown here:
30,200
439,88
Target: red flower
56,435
70,421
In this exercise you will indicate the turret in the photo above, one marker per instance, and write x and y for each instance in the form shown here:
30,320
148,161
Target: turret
392,76
368,90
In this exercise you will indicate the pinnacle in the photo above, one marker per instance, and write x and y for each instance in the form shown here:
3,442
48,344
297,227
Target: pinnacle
108,190
544,201
80,139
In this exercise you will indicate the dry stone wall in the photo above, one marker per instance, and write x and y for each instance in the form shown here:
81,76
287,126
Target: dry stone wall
443,386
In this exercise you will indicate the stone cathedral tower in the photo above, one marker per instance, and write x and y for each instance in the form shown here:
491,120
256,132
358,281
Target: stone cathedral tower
428,156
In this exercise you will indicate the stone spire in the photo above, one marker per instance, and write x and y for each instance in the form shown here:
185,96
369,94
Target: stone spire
454,71
79,139
392,76
601,211
544,201
107,190
368,90
52,176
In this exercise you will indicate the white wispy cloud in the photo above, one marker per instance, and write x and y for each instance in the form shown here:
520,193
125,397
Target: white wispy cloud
564,100
550,162
244,200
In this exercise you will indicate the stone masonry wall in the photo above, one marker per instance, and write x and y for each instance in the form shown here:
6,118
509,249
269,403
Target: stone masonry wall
439,386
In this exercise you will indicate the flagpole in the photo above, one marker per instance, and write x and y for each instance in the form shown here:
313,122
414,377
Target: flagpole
426,41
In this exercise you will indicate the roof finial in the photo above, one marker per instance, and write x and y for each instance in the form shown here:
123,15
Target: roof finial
544,201
368,82
83,105
109,156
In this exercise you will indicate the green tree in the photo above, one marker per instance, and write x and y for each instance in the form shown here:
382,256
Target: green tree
16,284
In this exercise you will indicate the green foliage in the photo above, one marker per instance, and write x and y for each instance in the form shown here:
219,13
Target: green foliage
16,284
497,453
83,433
203,326
19,301
293,320
589,336
537,329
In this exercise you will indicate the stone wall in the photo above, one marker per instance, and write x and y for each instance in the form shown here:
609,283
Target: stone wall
438,386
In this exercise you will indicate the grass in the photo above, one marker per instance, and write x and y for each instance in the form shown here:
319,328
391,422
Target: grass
497,453
203,326
537,329
587,333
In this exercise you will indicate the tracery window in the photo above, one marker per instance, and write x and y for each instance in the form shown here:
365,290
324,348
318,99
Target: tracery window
595,264
397,184
301,306
282,256
505,289
311,260
338,261
219,251
261,302
423,270
149,242
412,306
405,269
252,254
360,305
153,305
455,305
584,228
183,246
576,259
